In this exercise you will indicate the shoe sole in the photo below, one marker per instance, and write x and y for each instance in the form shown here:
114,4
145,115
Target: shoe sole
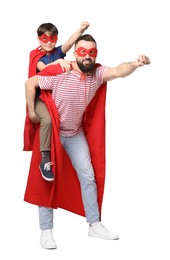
103,237
49,248
45,177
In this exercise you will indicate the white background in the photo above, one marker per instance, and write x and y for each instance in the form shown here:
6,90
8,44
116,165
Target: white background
137,194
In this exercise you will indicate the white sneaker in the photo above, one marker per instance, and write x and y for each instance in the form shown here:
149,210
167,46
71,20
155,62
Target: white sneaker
98,230
46,240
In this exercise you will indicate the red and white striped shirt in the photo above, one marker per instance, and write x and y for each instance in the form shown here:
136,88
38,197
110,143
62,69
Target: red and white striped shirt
71,95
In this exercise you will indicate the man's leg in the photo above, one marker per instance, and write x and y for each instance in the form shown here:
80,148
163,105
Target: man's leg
46,225
78,151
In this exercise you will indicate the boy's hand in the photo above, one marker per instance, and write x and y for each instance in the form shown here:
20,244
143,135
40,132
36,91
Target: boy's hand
65,64
84,26
33,117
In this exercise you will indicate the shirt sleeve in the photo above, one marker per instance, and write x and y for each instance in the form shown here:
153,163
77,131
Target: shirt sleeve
46,82
99,74
60,53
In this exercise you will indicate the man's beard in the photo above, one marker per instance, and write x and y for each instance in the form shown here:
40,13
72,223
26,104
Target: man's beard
85,68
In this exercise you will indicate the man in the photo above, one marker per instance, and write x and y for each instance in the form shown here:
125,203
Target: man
79,118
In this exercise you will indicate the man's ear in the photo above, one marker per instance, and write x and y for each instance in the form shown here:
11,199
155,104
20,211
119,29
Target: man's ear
75,54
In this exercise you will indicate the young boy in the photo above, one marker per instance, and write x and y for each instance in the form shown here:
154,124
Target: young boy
47,54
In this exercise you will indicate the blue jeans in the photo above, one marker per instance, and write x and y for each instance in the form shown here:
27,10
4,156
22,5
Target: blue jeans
77,148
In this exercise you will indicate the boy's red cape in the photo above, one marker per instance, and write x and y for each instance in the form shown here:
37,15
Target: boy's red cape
29,127
64,192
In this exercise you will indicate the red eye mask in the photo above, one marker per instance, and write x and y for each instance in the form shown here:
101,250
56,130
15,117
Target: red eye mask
44,38
82,52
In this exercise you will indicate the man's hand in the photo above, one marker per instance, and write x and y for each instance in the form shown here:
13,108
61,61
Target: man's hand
142,60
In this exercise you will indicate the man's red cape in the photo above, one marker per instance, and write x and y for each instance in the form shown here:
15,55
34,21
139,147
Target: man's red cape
64,192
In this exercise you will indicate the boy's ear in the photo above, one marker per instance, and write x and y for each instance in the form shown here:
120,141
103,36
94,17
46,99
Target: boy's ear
38,40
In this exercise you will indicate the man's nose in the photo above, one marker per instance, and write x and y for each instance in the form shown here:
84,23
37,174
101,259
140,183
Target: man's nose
87,56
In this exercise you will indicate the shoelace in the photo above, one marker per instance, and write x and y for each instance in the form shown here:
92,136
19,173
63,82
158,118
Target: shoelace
47,166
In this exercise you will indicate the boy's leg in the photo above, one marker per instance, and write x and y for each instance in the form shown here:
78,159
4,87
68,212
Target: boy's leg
45,125
45,139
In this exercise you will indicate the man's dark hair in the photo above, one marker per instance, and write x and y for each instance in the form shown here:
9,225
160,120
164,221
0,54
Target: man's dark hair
85,37
47,27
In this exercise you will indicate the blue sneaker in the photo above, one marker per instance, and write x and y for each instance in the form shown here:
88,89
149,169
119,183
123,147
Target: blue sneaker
46,171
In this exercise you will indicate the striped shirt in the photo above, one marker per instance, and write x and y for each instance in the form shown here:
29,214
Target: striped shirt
72,95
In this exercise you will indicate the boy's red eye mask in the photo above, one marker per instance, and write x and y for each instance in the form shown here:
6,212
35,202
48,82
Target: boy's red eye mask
82,52
44,38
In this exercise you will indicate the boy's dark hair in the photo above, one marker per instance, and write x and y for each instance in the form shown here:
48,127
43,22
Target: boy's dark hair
47,27
85,37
